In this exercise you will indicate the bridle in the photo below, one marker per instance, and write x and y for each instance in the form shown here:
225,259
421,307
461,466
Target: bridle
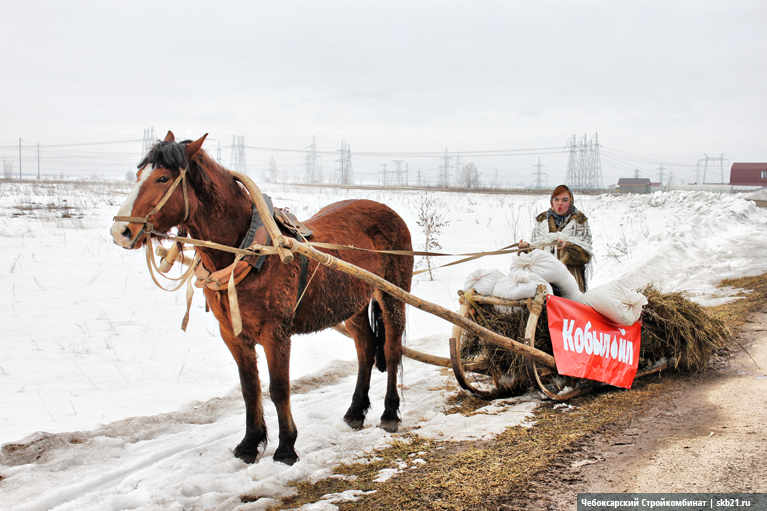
146,227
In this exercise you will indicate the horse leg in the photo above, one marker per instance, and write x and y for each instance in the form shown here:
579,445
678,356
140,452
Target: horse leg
277,349
393,312
255,426
359,328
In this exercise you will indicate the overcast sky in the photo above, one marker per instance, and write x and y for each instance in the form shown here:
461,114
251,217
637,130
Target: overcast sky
665,81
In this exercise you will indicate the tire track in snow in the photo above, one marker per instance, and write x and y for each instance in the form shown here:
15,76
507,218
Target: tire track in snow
114,477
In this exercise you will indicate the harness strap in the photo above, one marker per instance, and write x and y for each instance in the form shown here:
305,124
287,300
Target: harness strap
221,279
145,219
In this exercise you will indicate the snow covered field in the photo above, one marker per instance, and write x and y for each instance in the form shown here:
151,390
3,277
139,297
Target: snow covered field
140,415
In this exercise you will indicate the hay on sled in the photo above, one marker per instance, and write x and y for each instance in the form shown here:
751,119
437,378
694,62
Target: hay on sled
673,327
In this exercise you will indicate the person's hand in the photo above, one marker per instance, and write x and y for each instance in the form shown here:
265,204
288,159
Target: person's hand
523,244
562,244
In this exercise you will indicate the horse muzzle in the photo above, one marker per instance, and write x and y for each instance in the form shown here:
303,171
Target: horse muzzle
123,234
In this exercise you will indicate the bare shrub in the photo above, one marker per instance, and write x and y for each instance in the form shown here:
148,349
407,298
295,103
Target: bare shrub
431,220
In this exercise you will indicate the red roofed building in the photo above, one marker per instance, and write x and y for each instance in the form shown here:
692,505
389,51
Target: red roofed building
748,174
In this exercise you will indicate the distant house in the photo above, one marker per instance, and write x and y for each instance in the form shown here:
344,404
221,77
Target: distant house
633,185
750,175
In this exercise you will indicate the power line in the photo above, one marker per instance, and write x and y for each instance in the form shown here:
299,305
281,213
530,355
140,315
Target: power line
499,152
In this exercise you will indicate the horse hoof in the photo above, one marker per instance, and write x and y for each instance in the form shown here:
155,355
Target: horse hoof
389,426
246,456
354,423
286,458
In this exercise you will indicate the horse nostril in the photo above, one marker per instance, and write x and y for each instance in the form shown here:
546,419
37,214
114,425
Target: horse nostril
126,233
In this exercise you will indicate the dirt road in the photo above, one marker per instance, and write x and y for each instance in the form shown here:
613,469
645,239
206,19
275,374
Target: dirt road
709,436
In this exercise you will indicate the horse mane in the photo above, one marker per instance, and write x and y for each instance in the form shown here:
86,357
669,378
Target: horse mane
172,155
169,155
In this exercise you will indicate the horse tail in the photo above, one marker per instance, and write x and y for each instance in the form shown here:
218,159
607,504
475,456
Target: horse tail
379,334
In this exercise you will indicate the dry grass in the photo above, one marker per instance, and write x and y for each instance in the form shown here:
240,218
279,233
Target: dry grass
493,474
752,296
673,326
64,203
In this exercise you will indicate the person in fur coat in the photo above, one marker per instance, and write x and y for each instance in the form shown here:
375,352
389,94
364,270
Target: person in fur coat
570,228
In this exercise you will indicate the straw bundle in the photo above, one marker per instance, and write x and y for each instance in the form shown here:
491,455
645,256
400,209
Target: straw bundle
507,368
673,326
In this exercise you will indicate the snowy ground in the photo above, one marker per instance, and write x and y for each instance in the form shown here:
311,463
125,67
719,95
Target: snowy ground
140,415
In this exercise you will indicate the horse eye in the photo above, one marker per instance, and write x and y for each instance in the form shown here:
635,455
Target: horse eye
163,179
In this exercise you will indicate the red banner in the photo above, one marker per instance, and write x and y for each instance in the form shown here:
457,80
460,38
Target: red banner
588,345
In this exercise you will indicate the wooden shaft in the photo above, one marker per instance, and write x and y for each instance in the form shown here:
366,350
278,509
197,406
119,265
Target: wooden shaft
181,258
494,300
432,308
426,358
540,297
169,258
266,216
419,356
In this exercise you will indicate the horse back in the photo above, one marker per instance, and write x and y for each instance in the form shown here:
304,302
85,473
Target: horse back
333,296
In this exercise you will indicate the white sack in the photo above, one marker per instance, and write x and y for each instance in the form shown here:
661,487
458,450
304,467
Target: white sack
520,284
551,269
482,281
615,302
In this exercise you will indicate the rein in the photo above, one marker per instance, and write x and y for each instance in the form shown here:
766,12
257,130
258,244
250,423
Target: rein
147,229
257,249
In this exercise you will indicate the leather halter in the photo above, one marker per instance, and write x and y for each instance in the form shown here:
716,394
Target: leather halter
147,226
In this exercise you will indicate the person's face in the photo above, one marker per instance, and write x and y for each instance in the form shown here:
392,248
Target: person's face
561,203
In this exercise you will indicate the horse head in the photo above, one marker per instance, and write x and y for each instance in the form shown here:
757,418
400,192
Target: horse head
160,199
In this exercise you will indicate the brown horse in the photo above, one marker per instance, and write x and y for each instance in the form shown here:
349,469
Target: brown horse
218,209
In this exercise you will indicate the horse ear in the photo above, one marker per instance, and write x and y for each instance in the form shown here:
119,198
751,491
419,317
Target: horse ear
195,146
170,137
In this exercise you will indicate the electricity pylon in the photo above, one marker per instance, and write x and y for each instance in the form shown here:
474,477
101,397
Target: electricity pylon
345,175
398,171
538,174
311,164
147,141
584,164
237,157
444,171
